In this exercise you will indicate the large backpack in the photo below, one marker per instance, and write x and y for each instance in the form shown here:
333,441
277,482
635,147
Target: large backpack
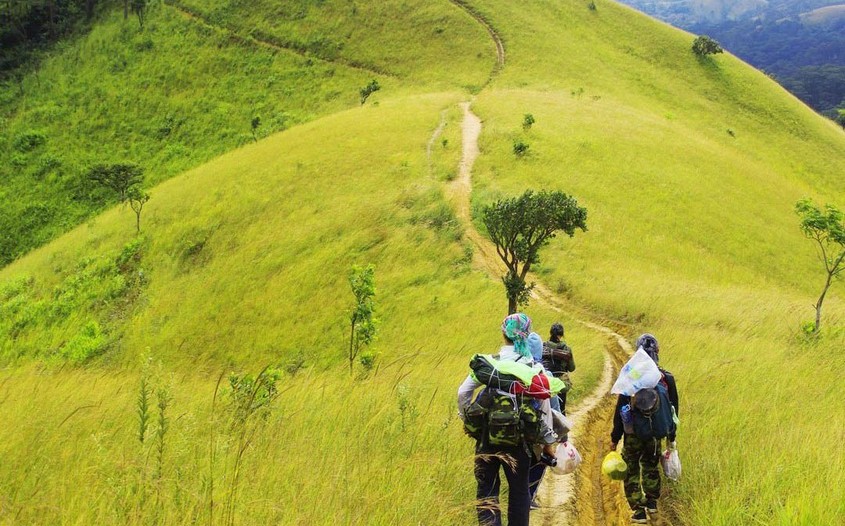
504,420
652,413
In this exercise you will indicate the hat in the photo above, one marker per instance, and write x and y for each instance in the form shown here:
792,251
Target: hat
535,346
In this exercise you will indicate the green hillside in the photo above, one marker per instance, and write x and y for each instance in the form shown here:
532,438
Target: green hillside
689,169
184,89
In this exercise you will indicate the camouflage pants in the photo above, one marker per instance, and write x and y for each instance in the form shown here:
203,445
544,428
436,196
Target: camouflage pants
643,459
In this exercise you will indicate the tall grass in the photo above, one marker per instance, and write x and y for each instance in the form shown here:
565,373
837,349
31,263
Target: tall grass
692,236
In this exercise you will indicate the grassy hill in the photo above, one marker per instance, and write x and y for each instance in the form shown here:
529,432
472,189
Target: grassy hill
184,89
689,169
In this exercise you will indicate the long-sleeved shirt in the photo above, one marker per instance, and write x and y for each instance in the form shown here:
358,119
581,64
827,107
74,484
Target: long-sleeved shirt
619,430
557,358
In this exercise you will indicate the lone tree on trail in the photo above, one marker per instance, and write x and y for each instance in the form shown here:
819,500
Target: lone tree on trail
117,177
137,199
363,324
704,45
520,226
827,229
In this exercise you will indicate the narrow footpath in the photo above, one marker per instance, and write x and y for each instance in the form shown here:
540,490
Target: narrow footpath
584,497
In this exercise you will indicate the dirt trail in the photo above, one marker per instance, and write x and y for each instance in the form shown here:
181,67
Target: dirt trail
200,18
585,497
494,35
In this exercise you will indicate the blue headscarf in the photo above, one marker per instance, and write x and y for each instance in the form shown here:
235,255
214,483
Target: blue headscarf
535,346
517,327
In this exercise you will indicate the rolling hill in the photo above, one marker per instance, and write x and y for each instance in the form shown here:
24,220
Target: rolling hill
689,169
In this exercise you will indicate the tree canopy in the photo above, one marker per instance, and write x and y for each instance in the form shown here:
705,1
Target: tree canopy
521,226
827,228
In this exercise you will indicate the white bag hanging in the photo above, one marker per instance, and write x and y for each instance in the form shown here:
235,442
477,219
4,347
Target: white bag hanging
639,373
671,463
568,459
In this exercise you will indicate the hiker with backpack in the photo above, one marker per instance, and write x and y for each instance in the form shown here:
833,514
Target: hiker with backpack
505,425
645,419
558,360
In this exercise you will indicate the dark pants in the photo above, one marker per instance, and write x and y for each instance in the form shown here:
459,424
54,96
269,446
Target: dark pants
643,459
535,476
488,460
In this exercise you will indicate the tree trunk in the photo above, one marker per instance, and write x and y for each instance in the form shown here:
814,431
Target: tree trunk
138,222
819,304
125,9
89,9
511,305
351,339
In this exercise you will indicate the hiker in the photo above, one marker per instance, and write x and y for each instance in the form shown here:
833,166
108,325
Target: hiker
641,449
514,459
558,360
538,467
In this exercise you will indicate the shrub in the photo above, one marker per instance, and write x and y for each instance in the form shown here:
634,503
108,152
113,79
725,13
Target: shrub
89,342
704,45
368,90
527,121
520,148
29,141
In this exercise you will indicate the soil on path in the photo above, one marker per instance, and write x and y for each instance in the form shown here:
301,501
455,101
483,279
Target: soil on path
585,497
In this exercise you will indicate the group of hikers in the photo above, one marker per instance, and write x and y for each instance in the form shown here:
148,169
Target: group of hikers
513,404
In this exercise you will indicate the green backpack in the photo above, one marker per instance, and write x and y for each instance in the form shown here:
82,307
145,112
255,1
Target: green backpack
504,420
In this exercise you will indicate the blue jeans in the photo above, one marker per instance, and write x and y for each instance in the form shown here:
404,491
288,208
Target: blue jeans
488,460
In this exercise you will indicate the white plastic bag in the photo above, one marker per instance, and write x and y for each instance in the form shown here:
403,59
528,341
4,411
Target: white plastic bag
568,459
639,373
671,463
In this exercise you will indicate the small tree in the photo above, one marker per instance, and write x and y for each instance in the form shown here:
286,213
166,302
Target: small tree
704,45
118,177
520,226
139,7
827,229
137,199
368,90
256,122
363,324
520,148
527,121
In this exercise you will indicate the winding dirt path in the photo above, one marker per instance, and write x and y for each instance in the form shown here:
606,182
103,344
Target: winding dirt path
494,35
584,497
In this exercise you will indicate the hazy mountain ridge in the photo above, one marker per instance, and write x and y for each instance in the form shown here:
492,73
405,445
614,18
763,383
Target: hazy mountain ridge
801,43
694,12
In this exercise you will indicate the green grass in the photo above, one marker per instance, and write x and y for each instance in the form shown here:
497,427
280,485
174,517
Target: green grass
692,236
268,286
184,90
242,263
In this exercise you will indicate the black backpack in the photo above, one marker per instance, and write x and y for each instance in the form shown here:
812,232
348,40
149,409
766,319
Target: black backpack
652,413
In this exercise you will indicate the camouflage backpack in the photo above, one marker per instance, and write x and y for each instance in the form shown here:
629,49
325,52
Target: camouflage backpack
504,420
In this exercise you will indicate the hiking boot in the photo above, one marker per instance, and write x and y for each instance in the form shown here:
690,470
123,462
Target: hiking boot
651,506
534,505
639,516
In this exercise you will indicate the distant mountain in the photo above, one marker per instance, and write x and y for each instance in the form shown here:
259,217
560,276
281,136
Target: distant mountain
693,12
799,42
